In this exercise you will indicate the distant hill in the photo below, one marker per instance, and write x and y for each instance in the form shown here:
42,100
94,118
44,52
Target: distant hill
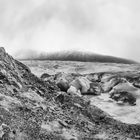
80,56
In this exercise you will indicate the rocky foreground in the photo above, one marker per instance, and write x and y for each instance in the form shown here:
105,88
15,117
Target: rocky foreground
36,109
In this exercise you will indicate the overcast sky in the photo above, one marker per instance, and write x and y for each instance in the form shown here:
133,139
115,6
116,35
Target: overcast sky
110,27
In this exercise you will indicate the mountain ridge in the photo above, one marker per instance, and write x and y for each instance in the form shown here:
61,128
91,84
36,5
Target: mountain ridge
80,56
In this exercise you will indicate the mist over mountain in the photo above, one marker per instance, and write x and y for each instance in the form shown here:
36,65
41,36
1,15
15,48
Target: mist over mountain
106,27
76,56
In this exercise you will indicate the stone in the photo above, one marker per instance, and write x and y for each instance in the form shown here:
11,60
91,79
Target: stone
73,90
63,85
60,97
44,76
94,89
81,83
123,97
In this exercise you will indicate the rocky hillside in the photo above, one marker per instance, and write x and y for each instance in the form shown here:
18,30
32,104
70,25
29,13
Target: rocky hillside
33,109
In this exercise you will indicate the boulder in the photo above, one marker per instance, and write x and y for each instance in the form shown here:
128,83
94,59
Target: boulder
62,80
124,86
74,91
44,76
63,85
95,89
81,83
124,92
123,97
112,82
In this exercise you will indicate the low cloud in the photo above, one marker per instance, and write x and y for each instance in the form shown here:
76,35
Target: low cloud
108,27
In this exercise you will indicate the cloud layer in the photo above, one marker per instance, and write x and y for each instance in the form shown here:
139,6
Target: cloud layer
108,27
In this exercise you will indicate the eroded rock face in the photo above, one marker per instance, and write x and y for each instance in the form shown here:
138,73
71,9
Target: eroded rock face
17,86
15,76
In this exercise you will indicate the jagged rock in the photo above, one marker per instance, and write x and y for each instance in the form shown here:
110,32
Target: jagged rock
15,78
124,92
63,80
81,83
109,83
95,89
124,97
124,86
94,77
73,90
85,86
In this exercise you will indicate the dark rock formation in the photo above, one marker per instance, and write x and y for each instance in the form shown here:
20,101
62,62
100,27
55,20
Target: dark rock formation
63,85
123,97
45,75
63,80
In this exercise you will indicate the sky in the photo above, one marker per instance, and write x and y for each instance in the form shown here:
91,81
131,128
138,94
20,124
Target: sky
109,27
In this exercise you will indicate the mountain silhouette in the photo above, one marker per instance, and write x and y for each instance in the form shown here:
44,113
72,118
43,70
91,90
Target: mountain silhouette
79,56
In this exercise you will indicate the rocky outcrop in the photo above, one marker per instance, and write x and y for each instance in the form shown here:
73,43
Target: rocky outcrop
121,86
95,89
33,109
123,97
16,77
21,94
